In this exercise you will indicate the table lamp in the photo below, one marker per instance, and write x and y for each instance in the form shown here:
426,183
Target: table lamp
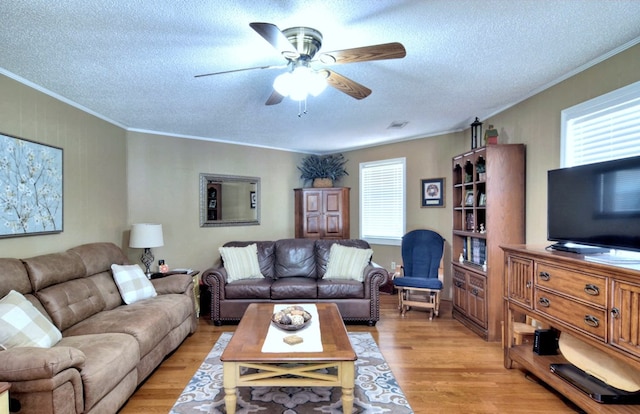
145,236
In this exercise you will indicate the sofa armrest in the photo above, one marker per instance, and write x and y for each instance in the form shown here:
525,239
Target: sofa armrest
178,283
216,279
28,363
374,277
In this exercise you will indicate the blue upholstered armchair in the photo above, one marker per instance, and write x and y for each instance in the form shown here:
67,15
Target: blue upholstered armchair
420,283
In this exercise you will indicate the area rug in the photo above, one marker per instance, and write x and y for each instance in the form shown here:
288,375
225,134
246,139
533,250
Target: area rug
376,389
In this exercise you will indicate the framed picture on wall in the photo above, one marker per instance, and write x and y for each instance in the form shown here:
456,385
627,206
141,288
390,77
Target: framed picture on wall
432,192
31,177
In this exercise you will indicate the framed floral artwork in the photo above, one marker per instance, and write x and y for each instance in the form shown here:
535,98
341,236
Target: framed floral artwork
30,187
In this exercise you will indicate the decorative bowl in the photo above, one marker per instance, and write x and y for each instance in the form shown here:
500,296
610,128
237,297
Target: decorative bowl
291,327
291,318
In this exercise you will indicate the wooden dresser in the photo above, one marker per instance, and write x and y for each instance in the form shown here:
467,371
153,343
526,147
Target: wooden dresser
597,303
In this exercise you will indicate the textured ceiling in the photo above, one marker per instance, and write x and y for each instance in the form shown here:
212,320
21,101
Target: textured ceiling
133,62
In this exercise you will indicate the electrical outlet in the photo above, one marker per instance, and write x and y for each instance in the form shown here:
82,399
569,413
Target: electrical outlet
393,265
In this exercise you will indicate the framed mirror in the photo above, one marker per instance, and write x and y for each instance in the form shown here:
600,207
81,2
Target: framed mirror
229,200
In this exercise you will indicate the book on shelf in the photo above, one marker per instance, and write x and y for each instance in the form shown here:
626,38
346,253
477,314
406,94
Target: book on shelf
475,250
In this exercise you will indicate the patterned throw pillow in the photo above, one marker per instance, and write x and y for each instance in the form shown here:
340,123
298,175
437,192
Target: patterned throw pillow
132,283
347,262
241,262
22,324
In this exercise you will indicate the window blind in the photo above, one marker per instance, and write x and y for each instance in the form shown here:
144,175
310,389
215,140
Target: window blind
382,201
603,128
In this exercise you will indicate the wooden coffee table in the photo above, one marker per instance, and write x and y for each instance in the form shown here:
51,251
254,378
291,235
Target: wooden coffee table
302,369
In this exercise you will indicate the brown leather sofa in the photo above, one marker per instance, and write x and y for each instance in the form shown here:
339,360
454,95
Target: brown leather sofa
107,348
293,271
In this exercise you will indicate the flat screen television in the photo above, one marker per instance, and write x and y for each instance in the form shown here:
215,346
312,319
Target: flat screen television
596,205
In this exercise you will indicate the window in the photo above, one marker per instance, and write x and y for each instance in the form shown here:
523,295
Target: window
603,128
382,201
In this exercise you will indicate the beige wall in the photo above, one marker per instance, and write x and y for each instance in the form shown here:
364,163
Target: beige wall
425,158
95,169
536,123
114,178
164,188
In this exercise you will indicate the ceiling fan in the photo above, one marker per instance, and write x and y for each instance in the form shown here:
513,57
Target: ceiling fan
299,46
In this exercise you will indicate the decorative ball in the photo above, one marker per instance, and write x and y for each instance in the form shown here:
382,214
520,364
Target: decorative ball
297,319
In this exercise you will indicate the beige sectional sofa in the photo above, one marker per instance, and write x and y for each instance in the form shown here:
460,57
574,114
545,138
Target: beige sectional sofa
107,348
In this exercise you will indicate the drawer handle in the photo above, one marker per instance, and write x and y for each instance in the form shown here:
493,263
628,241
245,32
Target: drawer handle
592,321
592,290
544,302
545,276
528,285
474,292
615,313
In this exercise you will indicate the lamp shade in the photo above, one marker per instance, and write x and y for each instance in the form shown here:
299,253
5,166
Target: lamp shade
146,235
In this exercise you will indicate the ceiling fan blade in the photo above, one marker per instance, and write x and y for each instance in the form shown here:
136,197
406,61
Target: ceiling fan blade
346,85
274,99
276,38
362,54
241,70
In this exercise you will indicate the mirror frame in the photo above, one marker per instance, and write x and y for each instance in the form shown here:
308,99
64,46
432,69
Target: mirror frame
206,178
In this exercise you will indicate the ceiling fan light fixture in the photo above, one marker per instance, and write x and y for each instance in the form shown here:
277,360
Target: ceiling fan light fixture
317,83
282,84
300,83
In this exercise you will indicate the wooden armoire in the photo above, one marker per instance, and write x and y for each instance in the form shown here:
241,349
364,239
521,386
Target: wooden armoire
322,213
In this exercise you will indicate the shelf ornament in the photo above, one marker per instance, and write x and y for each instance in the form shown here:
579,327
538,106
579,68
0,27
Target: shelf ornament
476,133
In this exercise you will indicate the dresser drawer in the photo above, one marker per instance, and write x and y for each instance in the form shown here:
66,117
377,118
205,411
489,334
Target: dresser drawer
590,288
588,319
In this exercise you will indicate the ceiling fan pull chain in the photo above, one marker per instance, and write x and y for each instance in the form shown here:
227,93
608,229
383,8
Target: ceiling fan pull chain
300,111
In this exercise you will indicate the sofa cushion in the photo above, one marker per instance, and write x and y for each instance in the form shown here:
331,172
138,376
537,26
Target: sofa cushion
241,262
51,269
71,302
109,357
340,289
21,324
248,289
14,277
106,286
347,262
294,288
132,283
98,257
145,320
295,257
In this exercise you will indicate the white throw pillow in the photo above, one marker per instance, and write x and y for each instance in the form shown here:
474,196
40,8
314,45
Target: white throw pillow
22,324
132,283
347,262
241,262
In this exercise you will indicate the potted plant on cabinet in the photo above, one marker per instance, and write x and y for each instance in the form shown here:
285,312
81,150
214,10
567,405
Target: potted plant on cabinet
323,170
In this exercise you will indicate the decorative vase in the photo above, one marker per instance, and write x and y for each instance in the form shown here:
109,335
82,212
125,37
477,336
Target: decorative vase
322,183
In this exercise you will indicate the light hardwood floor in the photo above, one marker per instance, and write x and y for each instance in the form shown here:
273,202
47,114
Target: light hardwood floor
441,366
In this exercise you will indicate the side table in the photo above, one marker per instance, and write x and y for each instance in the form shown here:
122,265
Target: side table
196,290
4,397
